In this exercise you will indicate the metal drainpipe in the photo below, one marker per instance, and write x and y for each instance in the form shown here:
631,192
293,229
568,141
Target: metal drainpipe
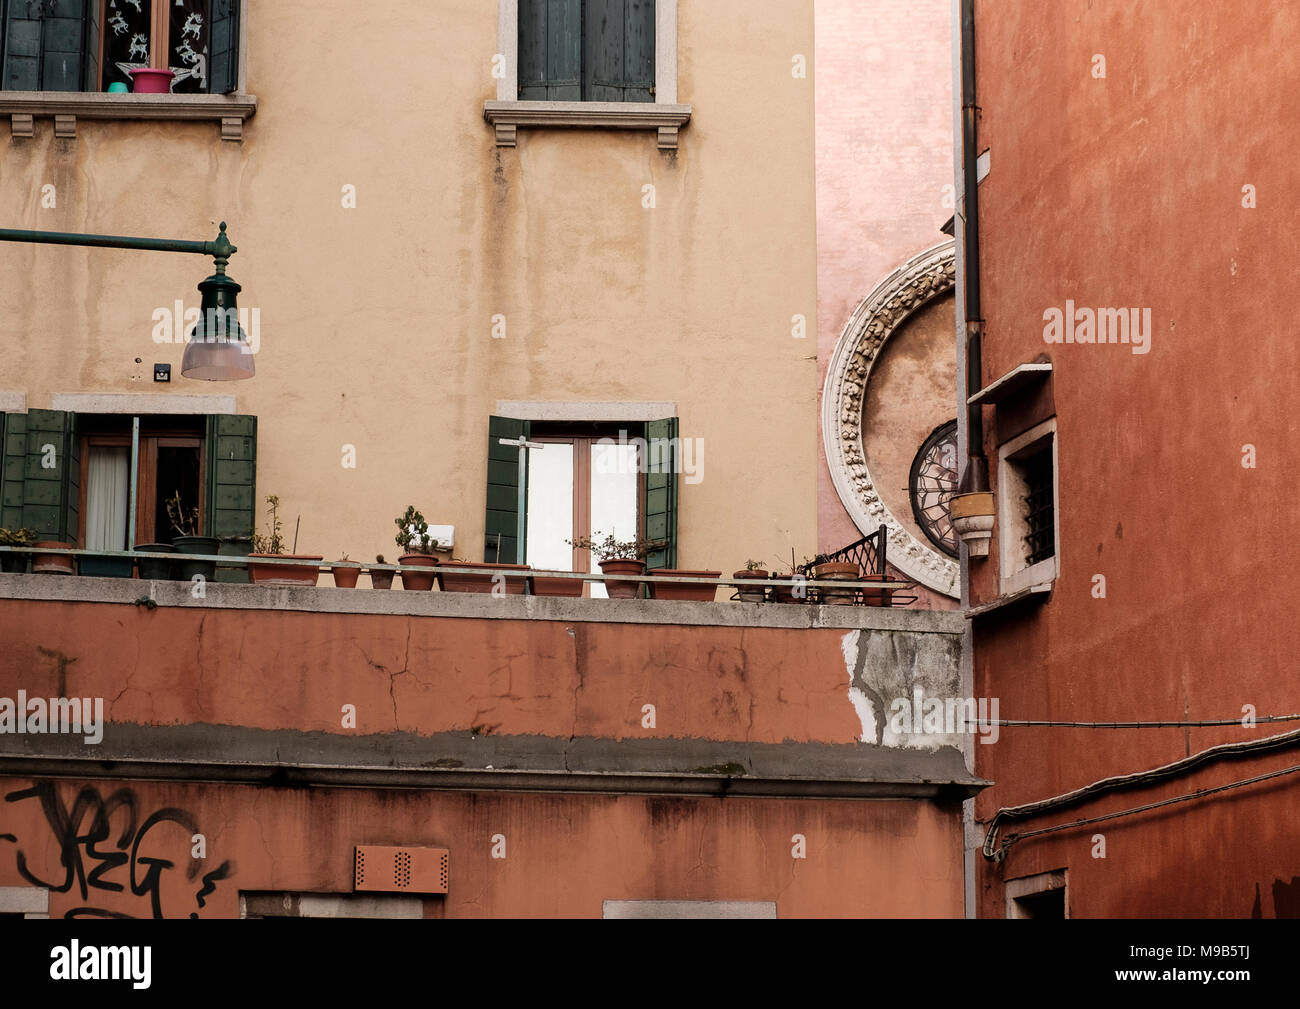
975,477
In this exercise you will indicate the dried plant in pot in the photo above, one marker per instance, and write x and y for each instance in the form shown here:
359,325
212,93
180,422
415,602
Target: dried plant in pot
272,546
188,541
796,591
15,564
418,546
755,570
619,557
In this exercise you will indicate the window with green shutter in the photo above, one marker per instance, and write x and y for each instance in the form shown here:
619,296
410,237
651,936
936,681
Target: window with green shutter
40,482
231,475
504,520
587,50
660,508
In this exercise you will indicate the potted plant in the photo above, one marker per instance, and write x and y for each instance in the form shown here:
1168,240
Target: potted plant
619,557
482,577
754,570
380,579
413,537
106,567
546,584
151,81
795,591
836,571
272,545
972,520
15,564
188,541
54,564
692,592
345,572
161,569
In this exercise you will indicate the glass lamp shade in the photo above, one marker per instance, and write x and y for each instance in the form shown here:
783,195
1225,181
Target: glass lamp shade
217,348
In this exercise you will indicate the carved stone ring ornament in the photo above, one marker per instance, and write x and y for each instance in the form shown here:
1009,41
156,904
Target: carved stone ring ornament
924,277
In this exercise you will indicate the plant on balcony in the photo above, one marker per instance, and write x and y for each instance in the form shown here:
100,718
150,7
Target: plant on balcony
795,592
188,541
272,545
380,579
418,550
753,570
21,537
345,572
619,557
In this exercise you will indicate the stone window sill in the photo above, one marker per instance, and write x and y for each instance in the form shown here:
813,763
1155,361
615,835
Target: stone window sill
666,119
65,107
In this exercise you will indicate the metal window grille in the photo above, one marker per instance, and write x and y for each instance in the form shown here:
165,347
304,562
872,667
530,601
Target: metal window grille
1040,510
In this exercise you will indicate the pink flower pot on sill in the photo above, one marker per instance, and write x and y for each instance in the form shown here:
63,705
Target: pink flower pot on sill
148,81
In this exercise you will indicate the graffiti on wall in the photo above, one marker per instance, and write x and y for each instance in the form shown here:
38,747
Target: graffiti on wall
106,847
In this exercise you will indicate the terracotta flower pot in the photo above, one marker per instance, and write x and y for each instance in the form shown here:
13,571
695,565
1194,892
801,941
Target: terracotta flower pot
481,578
149,81
381,579
836,571
345,574
54,564
418,581
285,575
685,591
568,587
786,593
753,595
623,566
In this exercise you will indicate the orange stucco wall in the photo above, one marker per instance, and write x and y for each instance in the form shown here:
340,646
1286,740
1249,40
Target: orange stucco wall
564,855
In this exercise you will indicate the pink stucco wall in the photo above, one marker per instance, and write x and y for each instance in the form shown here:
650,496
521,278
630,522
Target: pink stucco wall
883,78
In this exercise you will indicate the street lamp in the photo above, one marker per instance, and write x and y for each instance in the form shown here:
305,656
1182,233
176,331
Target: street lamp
217,349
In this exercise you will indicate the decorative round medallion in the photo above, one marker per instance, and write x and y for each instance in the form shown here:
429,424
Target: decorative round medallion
919,281
934,478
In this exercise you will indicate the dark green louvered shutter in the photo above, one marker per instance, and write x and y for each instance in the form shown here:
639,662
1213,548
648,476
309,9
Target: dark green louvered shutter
65,34
620,51
550,50
22,45
502,522
41,485
223,63
231,475
660,505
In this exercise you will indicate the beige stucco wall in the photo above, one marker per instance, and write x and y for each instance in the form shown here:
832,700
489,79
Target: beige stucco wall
376,321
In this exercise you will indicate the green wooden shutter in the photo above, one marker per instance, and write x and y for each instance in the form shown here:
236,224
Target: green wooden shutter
42,474
660,504
550,50
231,491
502,521
64,35
620,51
223,59
22,46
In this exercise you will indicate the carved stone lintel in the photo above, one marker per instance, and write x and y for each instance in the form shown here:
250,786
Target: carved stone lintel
65,126
20,125
232,128
924,277
507,135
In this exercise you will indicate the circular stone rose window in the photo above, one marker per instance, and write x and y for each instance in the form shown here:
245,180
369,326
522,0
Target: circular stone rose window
934,478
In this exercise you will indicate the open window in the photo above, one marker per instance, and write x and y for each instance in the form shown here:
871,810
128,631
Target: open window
1028,538
575,480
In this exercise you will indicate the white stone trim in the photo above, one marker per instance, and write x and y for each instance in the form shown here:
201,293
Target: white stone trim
584,411
13,402
136,403
924,277
1013,575
29,901
664,115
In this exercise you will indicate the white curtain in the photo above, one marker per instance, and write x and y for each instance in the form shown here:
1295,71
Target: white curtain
107,481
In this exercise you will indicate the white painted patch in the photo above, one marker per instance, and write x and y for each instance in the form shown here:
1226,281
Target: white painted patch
861,703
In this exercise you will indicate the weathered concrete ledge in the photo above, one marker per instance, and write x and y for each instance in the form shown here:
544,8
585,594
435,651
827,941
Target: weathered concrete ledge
460,760
470,605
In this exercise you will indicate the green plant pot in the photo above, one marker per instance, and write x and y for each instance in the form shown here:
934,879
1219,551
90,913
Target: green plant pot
186,570
234,546
159,570
107,567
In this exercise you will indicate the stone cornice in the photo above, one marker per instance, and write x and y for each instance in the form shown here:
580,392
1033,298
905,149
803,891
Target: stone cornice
65,107
667,119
